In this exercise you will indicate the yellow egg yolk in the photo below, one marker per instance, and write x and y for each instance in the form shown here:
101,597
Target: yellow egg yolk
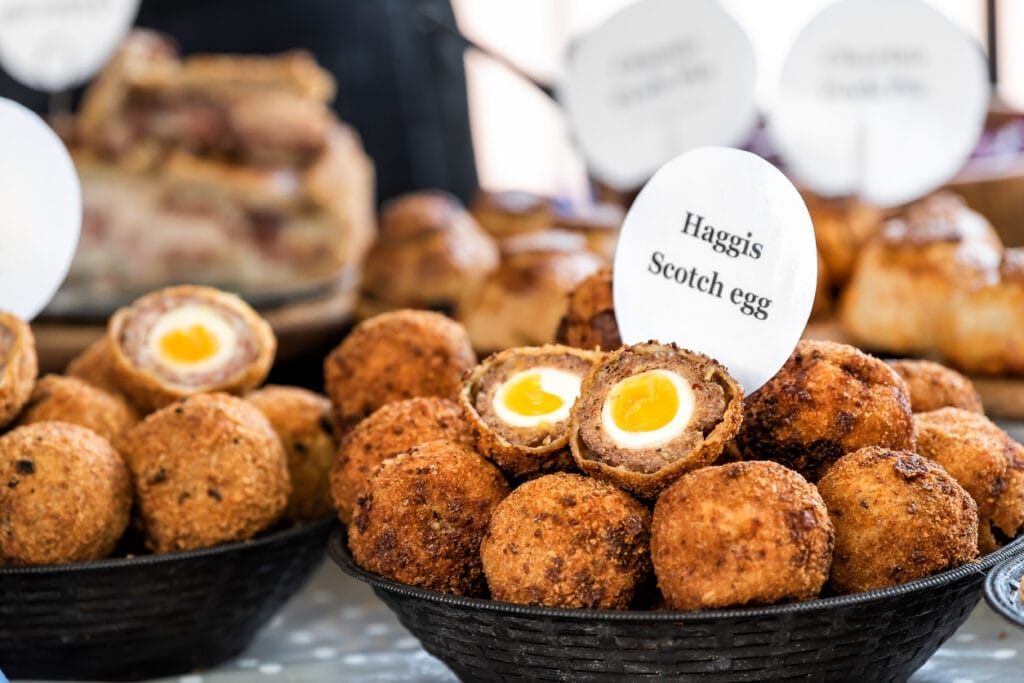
189,345
644,403
527,397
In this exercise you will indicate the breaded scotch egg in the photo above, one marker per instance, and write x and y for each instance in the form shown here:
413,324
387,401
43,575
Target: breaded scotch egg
186,340
422,515
65,495
742,533
18,366
394,356
565,540
933,386
589,320
69,399
207,469
302,420
95,366
984,460
898,517
647,413
518,403
827,400
392,429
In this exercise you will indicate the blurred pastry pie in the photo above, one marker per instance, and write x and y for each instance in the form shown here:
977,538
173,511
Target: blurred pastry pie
429,251
841,228
218,169
907,275
521,303
982,329
503,214
598,223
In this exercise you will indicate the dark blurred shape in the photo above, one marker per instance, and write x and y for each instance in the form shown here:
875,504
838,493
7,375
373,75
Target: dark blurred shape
401,82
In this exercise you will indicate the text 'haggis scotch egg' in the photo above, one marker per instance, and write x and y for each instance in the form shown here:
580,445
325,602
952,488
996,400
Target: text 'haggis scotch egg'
184,340
647,413
518,402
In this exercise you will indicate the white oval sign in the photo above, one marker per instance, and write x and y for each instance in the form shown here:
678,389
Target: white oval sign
56,44
717,254
884,99
40,211
656,79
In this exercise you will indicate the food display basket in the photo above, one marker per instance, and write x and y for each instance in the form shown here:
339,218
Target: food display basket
878,635
150,615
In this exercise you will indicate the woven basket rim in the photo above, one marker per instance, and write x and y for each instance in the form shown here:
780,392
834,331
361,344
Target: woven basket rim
338,551
1003,597
281,535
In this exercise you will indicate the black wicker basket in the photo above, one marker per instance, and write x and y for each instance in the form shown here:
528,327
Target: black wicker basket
151,615
879,635
1003,589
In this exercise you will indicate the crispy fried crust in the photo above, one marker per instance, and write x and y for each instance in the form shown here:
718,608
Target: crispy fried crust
898,517
18,366
589,320
207,469
422,515
392,429
564,540
95,366
827,400
933,386
738,534
717,415
151,391
550,450
65,495
394,356
69,399
428,253
984,460
302,420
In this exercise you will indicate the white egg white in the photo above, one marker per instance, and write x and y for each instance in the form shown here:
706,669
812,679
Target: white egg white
564,385
655,437
188,316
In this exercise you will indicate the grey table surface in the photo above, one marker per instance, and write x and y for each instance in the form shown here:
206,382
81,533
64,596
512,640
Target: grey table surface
336,629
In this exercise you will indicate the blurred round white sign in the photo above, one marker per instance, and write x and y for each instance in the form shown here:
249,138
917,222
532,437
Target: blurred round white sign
656,79
717,254
884,99
56,44
40,211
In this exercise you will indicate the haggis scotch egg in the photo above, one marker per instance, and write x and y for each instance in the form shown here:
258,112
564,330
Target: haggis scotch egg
18,366
186,340
518,403
647,413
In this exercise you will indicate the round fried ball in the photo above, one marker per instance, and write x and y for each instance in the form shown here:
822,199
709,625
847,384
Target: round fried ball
828,399
898,517
743,533
422,515
69,399
390,430
983,459
65,495
18,366
564,540
933,386
589,321
207,469
394,356
302,420
95,366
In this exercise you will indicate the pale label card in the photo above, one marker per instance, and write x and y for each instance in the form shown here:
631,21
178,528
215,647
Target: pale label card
883,99
56,44
717,254
40,211
656,79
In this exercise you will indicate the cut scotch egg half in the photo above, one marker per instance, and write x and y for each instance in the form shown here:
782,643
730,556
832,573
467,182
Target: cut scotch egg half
647,413
185,340
519,402
18,366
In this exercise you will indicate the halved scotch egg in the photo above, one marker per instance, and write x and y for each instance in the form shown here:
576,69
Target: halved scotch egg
518,403
650,412
18,366
184,340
